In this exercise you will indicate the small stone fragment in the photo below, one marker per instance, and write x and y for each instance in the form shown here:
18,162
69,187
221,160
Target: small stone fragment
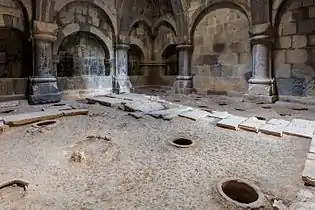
77,157
278,205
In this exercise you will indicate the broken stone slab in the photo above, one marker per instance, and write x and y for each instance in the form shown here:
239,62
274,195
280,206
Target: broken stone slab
300,128
58,108
9,104
75,112
107,101
165,112
143,106
195,114
137,114
129,96
27,118
252,124
274,127
231,122
308,174
176,114
220,115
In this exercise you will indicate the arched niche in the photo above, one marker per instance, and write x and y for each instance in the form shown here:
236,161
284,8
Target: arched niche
164,37
170,57
83,53
15,48
221,57
135,57
294,52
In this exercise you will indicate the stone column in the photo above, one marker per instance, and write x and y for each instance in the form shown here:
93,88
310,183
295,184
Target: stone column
261,85
43,84
184,81
122,83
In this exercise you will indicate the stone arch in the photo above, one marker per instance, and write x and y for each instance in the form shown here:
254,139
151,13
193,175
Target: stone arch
102,8
240,5
140,20
165,21
139,44
170,57
278,9
135,57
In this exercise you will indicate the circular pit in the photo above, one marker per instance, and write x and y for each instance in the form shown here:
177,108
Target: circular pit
182,142
46,123
241,193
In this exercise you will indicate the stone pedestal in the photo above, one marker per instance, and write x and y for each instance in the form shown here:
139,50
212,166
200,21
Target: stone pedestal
43,85
121,79
261,85
184,81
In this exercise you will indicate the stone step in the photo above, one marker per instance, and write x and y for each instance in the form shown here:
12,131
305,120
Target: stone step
27,118
300,128
195,114
252,124
231,122
274,127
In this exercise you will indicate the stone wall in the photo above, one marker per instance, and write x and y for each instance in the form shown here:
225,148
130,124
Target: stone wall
222,57
294,56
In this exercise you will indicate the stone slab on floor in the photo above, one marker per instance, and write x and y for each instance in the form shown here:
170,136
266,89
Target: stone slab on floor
308,174
9,104
107,101
58,108
231,122
274,127
143,106
74,112
137,114
26,118
176,114
301,128
195,114
128,96
219,115
172,111
252,124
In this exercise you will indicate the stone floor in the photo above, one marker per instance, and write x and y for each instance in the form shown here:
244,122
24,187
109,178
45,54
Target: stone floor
110,160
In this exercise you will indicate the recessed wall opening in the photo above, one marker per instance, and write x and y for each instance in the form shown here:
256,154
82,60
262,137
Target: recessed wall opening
170,57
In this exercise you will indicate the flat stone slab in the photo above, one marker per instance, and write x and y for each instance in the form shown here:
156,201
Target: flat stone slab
301,128
58,108
308,174
220,115
173,111
27,118
143,106
176,114
252,124
195,114
74,112
231,122
137,114
274,127
9,104
107,101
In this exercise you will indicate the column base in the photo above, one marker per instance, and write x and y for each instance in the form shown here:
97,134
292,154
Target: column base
43,90
183,85
260,92
122,85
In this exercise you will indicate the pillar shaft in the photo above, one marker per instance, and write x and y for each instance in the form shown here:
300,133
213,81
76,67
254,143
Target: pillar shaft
122,83
43,85
184,82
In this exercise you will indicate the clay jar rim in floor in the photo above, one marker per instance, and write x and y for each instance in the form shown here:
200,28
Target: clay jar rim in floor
172,142
258,203
49,123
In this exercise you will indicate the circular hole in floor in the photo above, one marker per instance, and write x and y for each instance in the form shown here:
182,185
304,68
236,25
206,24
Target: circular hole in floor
45,123
58,104
203,106
11,191
240,109
8,111
239,191
260,118
223,104
300,108
266,107
182,142
284,114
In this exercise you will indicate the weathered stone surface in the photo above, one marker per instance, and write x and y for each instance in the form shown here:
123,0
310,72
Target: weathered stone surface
9,104
26,118
75,112
252,124
231,122
195,114
107,101
274,127
173,111
302,128
137,114
219,115
143,106
308,175
290,86
129,96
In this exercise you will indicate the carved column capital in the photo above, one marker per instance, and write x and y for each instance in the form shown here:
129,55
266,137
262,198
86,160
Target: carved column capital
262,34
45,31
181,47
122,46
